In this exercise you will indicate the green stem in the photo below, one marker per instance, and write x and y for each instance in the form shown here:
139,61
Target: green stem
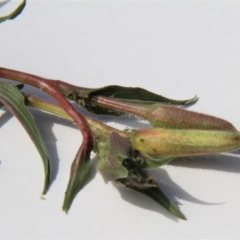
98,128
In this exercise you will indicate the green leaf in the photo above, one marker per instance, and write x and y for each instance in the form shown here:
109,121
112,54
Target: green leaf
19,87
78,175
111,172
136,95
13,100
131,95
119,146
112,156
15,13
158,196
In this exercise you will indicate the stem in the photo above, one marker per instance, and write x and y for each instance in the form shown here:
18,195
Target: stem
98,128
68,89
51,87
122,106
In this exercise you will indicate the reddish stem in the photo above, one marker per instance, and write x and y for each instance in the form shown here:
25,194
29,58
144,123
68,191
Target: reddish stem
51,87
114,104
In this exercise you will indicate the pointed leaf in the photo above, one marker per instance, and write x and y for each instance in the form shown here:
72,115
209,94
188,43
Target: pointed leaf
112,156
13,100
78,175
19,87
158,196
136,95
15,13
132,95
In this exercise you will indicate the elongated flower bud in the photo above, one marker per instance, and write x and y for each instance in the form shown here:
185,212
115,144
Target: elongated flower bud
166,116
178,118
164,142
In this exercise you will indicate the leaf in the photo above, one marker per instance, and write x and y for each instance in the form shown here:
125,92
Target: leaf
131,95
13,100
78,175
136,95
15,13
111,172
19,87
111,159
119,146
158,196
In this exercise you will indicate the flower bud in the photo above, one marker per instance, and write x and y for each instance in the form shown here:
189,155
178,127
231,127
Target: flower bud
173,142
167,116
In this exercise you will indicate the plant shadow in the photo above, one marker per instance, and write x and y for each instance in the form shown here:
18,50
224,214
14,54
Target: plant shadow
217,162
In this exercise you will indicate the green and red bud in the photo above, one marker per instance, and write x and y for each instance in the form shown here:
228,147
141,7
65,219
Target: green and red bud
168,116
181,142
165,115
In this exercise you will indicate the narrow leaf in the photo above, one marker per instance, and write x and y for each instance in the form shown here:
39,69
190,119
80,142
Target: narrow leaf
14,13
78,175
128,94
13,100
136,95
19,87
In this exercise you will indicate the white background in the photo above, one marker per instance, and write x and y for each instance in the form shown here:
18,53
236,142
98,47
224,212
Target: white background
174,48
